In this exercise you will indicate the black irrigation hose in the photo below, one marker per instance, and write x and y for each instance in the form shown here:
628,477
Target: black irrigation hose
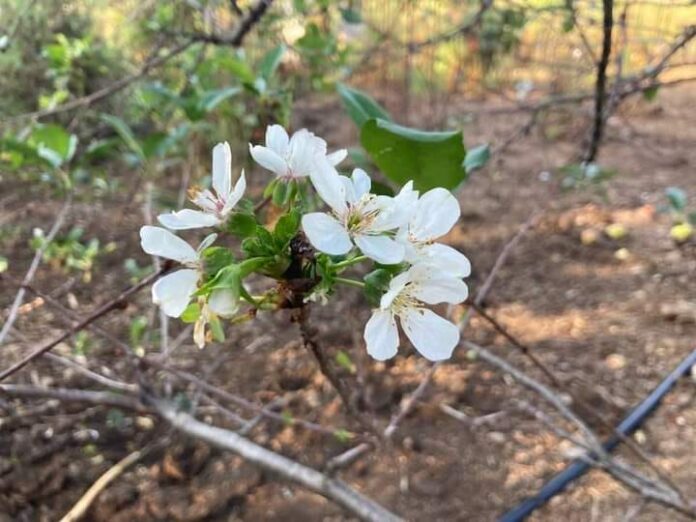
578,467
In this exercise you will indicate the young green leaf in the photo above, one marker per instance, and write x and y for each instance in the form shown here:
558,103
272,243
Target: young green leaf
242,225
677,198
476,158
376,283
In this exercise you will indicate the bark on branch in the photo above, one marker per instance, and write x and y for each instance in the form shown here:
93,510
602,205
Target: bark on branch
330,488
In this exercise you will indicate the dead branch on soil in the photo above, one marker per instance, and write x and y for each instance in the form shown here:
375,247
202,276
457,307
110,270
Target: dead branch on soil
656,491
80,508
113,304
578,400
99,398
33,267
330,488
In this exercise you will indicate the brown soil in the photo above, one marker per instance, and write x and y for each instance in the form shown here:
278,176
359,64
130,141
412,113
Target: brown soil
611,326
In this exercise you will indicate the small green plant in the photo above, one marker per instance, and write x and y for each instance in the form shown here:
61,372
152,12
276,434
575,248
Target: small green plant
584,176
70,253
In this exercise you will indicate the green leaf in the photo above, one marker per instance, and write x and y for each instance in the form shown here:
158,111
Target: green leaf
286,228
242,225
216,329
650,93
197,107
125,133
137,329
53,143
215,259
4,263
280,193
476,158
381,189
351,16
271,60
430,159
343,435
343,360
376,283
677,198
191,314
228,278
360,106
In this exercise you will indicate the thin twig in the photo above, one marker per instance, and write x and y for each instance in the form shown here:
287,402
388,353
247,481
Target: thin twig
70,395
19,298
330,488
101,311
626,476
80,509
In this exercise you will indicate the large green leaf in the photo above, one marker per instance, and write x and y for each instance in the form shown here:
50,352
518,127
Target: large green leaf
430,159
360,106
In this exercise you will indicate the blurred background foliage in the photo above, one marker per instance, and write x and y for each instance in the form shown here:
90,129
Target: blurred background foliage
424,61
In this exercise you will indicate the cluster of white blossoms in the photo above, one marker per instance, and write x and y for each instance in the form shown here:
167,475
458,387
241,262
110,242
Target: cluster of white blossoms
399,231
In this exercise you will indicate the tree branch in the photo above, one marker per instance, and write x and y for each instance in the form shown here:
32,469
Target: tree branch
332,489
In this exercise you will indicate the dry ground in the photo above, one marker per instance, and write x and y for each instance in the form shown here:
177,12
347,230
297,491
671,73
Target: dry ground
610,327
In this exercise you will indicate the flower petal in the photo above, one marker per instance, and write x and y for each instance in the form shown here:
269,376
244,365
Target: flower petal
161,242
328,184
268,159
361,183
434,337
447,260
207,241
187,219
382,249
326,234
381,335
337,156
236,194
439,288
277,139
223,302
305,149
173,291
222,169
436,213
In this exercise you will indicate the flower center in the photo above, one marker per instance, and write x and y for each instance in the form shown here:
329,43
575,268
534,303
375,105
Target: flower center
404,300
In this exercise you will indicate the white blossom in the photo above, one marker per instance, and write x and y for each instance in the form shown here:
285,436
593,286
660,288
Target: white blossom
293,157
215,204
434,215
173,292
358,217
433,336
